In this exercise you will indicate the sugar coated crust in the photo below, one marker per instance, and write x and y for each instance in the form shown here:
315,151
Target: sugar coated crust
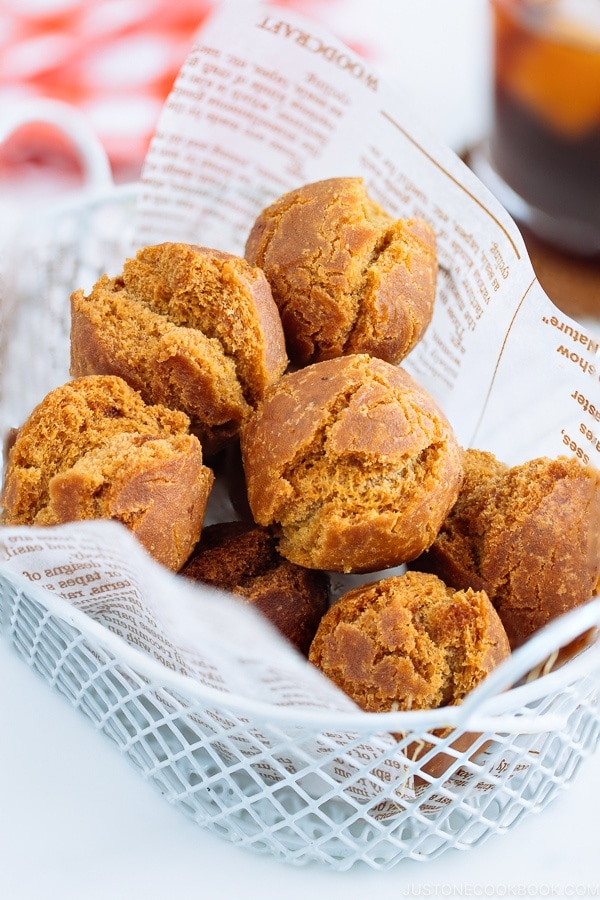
409,642
189,327
242,558
352,462
529,535
347,277
92,449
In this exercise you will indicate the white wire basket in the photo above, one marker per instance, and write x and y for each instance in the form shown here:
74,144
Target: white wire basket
301,785
68,245
336,789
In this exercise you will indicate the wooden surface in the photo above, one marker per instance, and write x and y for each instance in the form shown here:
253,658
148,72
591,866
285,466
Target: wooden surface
572,283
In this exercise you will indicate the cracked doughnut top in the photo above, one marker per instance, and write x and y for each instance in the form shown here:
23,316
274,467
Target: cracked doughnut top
92,449
353,464
346,276
190,327
529,535
409,642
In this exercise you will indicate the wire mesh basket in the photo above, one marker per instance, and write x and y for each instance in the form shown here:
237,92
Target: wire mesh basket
68,245
303,786
336,789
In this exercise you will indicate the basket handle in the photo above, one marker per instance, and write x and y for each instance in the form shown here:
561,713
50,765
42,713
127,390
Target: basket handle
72,123
543,644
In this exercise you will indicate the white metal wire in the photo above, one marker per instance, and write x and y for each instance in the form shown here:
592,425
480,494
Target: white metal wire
310,790
338,789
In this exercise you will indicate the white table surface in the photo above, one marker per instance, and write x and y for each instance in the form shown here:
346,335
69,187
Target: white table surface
77,821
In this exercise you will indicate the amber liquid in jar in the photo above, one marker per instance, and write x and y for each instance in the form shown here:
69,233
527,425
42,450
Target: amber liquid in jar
546,136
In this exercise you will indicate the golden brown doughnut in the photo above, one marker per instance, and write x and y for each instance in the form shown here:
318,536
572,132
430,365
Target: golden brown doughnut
409,642
92,449
242,558
529,535
347,277
189,327
352,462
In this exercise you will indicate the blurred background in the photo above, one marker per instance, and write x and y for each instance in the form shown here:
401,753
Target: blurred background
471,71
116,60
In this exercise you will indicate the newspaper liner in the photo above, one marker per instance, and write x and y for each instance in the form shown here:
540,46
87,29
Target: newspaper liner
267,101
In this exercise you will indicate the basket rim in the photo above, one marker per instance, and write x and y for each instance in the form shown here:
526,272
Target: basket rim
484,708
91,196
80,202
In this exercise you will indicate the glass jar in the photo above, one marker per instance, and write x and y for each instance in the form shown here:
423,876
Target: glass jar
542,158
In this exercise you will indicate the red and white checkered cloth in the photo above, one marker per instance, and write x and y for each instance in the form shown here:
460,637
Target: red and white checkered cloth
115,60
